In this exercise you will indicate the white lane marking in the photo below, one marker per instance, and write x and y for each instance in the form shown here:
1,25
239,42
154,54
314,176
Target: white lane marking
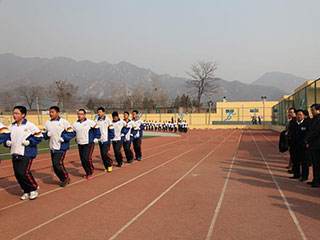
71,184
284,198
219,204
102,194
67,162
114,236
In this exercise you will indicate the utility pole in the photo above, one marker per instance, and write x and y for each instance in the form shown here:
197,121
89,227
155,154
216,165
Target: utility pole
38,109
263,98
210,103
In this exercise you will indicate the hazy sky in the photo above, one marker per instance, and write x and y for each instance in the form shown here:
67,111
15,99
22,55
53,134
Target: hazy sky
245,37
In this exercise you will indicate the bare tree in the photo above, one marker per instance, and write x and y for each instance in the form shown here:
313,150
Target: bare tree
64,92
30,94
203,81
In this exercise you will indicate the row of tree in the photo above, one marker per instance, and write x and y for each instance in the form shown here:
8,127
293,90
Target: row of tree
65,94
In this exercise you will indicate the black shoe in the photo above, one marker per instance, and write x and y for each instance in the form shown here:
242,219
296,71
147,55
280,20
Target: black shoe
303,179
119,165
130,161
310,183
290,171
65,182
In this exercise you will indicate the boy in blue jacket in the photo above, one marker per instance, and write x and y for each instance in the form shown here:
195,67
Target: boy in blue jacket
59,132
87,134
23,140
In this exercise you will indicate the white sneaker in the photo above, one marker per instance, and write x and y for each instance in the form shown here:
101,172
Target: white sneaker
25,196
33,195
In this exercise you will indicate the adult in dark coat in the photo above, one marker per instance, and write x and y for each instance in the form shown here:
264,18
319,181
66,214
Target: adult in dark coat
291,120
312,142
298,132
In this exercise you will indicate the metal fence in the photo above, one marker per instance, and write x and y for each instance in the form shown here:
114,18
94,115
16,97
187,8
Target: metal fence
303,98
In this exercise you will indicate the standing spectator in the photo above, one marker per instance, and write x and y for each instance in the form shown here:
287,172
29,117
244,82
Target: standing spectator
312,142
298,132
291,119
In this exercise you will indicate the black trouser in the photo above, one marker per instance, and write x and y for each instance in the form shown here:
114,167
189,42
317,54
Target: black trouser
117,151
305,165
315,158
21,168
137,148
104,152
57,158
85,152
298,154
127,150
291,154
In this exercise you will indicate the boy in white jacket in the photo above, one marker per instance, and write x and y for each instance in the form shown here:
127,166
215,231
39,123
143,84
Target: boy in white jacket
107,134
59,132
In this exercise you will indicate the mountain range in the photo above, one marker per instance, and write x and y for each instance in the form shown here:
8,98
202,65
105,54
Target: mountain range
103,78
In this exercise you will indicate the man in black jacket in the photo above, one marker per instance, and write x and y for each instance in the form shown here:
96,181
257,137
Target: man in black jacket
291,120
298,131
312,143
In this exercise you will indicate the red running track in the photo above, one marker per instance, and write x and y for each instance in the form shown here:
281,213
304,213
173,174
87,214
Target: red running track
208,184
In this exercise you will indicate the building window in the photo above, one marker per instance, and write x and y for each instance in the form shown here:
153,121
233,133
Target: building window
254,110
228,111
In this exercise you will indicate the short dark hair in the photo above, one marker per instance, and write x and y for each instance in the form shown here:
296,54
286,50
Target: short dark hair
300,110
22,109
101,109
135,111
126,112
115,114
292,108
306,113
316,106
82,110
56,108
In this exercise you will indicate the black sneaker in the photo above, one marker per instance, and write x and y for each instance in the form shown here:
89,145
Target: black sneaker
65,182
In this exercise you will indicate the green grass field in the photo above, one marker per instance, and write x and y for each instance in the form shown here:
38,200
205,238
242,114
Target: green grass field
42,147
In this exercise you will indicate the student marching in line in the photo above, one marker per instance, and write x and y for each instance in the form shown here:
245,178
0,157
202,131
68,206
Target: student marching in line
107,134
4,134
118,126
137,134
127,138
87,134
23,140
59,132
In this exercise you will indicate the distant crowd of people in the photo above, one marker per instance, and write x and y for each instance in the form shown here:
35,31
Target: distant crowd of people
256,120
168,126
302,139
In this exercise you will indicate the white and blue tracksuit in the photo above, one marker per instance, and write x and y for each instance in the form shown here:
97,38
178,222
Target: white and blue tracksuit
107,134
87,132
23,140
59,132
126,141
137,134
4,133
119,129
